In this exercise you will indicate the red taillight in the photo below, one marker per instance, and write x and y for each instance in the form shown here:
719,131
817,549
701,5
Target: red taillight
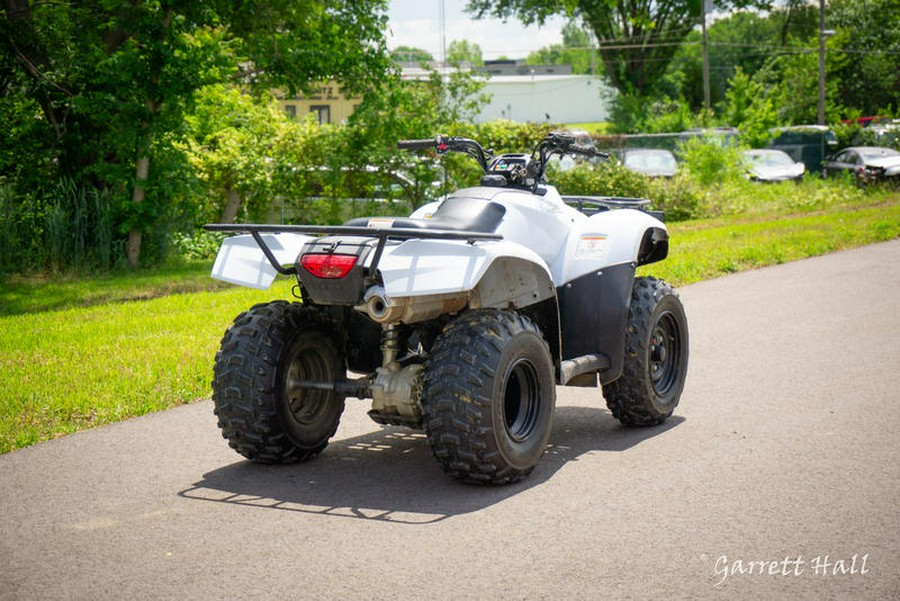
328,266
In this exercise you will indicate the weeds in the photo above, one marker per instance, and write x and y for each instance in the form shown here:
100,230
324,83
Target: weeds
68,228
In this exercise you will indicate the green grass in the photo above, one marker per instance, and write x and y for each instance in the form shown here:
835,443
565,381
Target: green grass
74,353
701,250
593,127
45,292
63,371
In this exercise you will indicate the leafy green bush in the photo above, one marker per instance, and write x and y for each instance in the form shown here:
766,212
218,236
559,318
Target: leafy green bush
711,182
507,136
709,161
749,107
604,179
198,246
680,197
632,113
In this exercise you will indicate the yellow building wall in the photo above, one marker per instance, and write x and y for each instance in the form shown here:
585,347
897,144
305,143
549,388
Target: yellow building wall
326,101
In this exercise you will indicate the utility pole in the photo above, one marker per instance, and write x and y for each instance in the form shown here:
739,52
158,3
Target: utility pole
821,62
590,32
443,37
706,5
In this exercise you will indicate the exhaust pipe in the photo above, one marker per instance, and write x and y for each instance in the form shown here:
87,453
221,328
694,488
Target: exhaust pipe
380,309
410,309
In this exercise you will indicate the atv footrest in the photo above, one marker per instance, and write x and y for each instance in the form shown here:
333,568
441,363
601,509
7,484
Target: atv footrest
570,369
395,420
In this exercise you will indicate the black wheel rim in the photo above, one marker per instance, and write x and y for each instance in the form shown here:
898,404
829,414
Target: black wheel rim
521,401
306,405
665,354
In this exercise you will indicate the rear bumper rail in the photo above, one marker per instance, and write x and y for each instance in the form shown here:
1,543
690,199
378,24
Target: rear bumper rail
382,234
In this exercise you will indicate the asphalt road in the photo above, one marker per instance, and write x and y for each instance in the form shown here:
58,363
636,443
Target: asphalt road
778,478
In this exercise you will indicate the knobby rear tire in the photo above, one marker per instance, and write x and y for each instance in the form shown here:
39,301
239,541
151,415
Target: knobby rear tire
489,397
262,412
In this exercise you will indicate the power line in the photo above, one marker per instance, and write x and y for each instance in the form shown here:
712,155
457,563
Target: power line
803,49
760,47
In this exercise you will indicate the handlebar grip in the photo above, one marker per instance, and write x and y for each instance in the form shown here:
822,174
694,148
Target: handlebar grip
587,150
416,144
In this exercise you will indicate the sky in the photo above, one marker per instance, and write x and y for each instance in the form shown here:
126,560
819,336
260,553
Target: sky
417,23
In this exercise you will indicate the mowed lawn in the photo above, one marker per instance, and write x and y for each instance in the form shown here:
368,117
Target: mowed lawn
65,370
101,356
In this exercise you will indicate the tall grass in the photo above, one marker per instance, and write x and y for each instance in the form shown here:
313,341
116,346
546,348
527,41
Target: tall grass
65,227
79,228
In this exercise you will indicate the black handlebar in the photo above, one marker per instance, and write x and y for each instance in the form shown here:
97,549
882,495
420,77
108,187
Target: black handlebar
563,143
416,144
553,143
558,143
588,151
443,144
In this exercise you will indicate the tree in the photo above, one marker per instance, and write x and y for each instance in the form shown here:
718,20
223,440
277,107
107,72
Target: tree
575,50
462,51
230,143
113,79
868,35
408,110
744,40
749,108
792,79
409,54
636,38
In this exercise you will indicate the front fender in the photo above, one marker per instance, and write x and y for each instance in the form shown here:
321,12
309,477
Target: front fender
611,238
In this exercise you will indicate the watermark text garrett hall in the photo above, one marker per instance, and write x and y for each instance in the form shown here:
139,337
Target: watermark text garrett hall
820,566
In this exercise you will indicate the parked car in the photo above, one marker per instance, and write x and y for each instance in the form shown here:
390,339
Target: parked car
652,162
867,164
767,165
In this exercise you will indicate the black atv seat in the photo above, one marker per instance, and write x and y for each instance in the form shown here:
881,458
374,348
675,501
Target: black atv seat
458,214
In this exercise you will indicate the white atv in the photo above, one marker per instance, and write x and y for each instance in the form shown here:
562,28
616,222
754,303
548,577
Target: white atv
461,320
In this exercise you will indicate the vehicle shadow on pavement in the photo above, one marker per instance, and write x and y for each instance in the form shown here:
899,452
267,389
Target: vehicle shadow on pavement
390,475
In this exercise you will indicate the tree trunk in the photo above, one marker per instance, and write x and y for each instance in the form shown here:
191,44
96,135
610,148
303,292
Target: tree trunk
232,204
141,173
142,167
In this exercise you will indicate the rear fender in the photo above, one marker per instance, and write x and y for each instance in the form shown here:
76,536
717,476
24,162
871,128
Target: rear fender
629,230
429,267
512,283
241,261
425,278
